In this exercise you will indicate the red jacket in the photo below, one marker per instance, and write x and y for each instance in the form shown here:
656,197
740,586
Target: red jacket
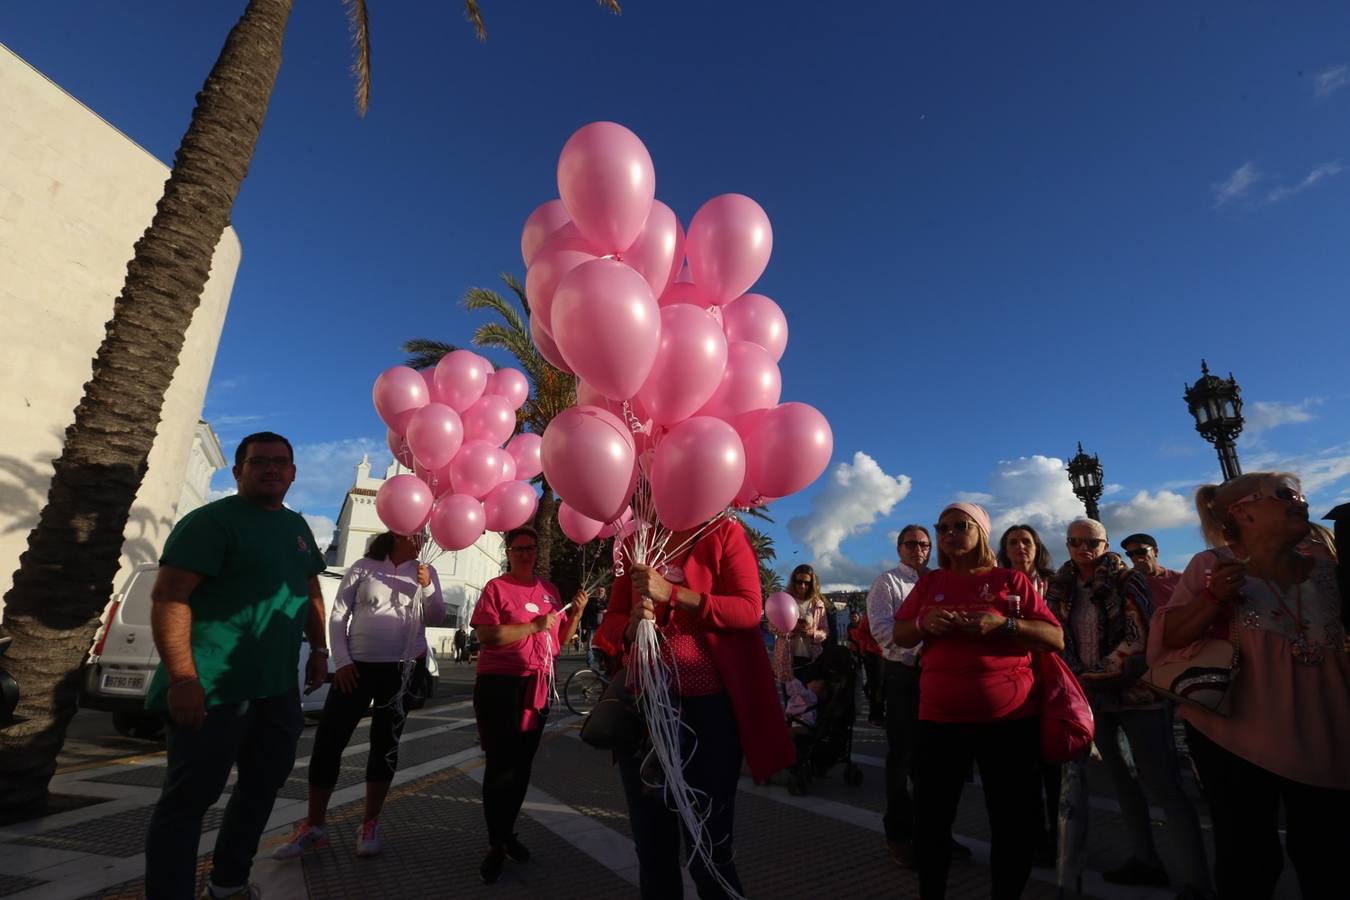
723,568
862,636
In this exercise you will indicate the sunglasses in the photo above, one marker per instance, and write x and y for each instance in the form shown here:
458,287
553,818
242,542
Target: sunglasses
805,581
915,545
1283,494
1090,543
1137,552
955,527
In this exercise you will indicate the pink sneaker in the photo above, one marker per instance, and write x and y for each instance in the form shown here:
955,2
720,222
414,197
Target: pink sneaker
305,837
368,838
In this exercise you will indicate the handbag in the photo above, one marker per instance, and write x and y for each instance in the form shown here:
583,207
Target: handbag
1067,725
615,723
1204,679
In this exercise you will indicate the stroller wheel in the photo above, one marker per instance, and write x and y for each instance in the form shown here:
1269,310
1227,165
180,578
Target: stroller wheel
853,775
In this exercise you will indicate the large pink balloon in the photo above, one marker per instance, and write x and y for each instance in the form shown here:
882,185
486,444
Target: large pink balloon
757,319
578,528
787,449
524,450
589,396
457,521
461,378
546,219
696,472
435,435
782,611
728,244
689,363
607,325
508,467
751,381
558,257
476,469
491,419
436,479
398,393
588,458
403,504
429,376
543,342
511,384
399,447
685,292
607,182
509,505
659,250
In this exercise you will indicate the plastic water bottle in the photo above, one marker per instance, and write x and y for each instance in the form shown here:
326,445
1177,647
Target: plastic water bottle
1015,606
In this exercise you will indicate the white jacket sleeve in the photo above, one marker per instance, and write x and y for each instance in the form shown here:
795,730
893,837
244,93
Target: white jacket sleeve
343,605
433,602
881,606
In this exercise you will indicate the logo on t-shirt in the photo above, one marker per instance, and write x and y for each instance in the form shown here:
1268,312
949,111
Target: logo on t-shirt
531,607
939,598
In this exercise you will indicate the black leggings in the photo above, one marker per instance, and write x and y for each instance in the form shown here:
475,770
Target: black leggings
499,704
377,682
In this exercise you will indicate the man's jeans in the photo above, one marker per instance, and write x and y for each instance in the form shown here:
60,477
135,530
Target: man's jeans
259,736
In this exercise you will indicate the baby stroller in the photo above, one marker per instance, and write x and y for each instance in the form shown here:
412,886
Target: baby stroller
829,739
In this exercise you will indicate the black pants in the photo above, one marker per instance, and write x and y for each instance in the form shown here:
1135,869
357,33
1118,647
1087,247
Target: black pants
377,683
900,687
876,696
1052,778
499,704
1008,754
1244,802
714,769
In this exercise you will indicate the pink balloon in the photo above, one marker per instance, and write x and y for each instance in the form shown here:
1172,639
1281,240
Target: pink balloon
751,381
607,325
543,342
403,504
610,529
690,360
491,419
436,479
546,219
476,469
461,378
429,376
685,292
398,393
457,521
697,470
728,244
578,528
509,505
511,384
399,447
551,265
607,182
589,396
435,435
782,611
659,250
524,451
787,449
588,458
757,319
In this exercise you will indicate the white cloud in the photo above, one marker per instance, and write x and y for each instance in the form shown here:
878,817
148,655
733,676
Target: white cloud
1148,512
1263,415
1235,186
1321,173
1329,81
322,526
325,471
217,493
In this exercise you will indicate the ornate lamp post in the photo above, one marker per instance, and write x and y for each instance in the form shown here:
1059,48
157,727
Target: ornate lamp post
1216,405
1085,474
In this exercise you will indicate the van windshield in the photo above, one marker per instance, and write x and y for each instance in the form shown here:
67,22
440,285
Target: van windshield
136,604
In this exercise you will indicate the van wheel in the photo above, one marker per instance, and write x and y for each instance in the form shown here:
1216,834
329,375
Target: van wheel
145,726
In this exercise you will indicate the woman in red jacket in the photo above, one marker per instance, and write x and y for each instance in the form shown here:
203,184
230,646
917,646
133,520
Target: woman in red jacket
707,605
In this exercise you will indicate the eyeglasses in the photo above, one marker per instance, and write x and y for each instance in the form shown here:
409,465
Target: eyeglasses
955,527
523,548
1090,543
805,581
915,545
1283,494
1137,552
266,462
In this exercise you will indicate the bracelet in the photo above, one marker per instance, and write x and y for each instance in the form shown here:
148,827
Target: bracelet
321,651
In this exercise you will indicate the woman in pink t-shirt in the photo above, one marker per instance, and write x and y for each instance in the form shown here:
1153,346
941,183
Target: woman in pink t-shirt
977,700
521,627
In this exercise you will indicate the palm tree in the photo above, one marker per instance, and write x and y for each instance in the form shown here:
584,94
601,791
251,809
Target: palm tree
65,576
769,580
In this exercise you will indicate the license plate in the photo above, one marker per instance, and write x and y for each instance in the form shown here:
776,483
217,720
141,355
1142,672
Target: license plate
124,682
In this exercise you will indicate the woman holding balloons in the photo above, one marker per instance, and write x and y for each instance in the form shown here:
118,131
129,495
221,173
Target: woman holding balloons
794,648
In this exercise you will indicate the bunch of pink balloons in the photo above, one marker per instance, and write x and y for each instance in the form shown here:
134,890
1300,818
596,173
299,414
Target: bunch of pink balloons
658,327
453,426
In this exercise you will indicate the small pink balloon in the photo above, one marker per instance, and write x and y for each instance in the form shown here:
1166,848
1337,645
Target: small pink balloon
659,250
546,219
589,396
751,381
787,449
429,376
579,529
435,435
509,505
728,244
685,292
399,447
476,469
461,377
491,418
607,182
398,393
757,319
696,471
457,521
511,384
782,611
403,504
690,360
508,468
558,257
543,342
607,325
610,529
524,451
588,458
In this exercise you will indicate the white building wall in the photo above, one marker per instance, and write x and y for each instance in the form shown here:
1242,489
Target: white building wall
204,460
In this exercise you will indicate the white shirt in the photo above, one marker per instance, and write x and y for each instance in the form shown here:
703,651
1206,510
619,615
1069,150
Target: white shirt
888,591
380,613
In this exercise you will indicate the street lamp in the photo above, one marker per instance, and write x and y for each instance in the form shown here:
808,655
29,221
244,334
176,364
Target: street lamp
1216,405
1085,474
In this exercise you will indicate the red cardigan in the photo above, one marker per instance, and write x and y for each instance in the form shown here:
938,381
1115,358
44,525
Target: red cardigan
723,568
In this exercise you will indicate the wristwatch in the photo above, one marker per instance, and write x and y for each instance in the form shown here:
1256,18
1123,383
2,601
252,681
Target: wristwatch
322,651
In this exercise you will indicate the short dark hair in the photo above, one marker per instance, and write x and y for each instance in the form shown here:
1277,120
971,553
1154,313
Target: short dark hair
1140,538
514,533
260,437
381,546
1042,561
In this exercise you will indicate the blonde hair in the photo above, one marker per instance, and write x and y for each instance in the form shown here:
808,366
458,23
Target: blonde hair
1326,537
1212,503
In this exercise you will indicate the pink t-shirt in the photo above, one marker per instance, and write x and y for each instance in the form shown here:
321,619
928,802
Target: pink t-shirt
965,678
506,601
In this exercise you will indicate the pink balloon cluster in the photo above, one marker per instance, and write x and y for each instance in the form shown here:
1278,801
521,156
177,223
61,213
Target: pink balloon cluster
657,325
453,426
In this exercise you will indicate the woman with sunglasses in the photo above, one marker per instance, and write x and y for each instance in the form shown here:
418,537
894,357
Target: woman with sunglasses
520,621
977,701
1105,605
1286,738
793,650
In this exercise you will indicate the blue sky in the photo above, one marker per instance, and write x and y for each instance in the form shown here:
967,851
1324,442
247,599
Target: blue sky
999,229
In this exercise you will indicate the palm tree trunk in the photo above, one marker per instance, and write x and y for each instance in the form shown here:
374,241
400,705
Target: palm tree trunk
65,577
545,523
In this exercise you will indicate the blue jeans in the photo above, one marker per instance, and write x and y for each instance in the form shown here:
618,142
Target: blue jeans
258,736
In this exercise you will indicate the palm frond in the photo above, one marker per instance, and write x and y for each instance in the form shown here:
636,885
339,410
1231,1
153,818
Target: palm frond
611,5
477,298
513,341
475,17
518,289
358,23
424,352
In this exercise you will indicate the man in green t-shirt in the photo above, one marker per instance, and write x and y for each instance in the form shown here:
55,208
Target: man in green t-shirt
238,585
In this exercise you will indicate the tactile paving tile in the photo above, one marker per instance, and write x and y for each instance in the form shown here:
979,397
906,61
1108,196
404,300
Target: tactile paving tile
121,834
140,776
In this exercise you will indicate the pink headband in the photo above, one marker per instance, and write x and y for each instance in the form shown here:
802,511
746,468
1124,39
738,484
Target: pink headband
976,513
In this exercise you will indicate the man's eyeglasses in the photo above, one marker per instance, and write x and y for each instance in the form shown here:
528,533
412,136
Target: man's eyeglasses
523,548
264,462
955,527
1137,552
1090,543
915,545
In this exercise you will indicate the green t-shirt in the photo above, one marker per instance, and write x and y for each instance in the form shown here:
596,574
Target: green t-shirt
249,612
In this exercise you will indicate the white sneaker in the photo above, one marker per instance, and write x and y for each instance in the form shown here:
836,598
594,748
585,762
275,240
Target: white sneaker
368,839
305,837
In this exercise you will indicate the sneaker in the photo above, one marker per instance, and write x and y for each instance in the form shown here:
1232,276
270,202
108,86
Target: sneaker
516,850
305,837
491,868
1137,872
902,853
368,838
244,892
960,852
